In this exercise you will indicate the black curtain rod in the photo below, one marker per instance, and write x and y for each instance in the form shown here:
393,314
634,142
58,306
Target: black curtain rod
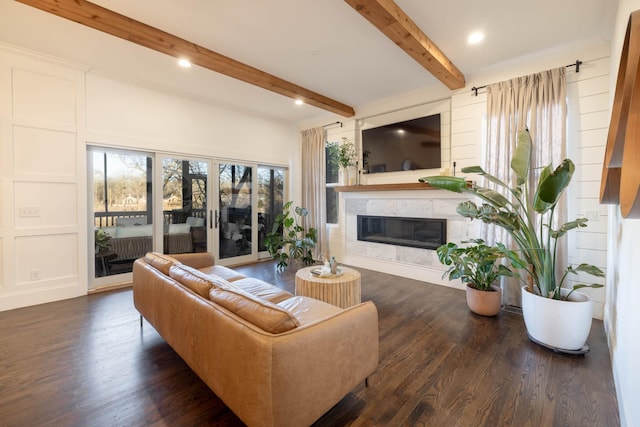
332,124
575,64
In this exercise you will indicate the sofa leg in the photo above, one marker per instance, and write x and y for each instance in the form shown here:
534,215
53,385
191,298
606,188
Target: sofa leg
141,321
366,382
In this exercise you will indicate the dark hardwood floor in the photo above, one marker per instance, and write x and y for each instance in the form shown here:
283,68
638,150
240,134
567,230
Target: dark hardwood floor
86,362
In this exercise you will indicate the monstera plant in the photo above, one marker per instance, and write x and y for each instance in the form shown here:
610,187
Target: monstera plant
479,266
528,215
289,238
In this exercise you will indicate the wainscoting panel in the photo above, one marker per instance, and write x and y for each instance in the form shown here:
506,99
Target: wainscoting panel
34,148
43,234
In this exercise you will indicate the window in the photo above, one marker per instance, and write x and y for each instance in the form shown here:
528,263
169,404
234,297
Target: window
332,167
271,194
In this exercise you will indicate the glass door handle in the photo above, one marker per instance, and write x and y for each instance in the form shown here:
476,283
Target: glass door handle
217,219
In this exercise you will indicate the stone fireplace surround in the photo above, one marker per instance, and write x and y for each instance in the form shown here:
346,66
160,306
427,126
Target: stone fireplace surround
414,263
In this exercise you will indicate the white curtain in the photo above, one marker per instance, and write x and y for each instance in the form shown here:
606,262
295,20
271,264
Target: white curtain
536,102
314,183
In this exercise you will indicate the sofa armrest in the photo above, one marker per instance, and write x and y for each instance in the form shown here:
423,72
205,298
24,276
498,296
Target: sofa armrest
323,362
195,260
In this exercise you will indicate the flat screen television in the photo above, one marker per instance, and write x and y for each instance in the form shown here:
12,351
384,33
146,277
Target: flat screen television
403,146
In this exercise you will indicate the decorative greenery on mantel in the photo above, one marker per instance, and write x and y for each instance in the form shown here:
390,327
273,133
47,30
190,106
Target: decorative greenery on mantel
346,152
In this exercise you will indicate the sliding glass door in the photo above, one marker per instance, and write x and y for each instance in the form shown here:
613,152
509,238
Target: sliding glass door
141,202
271,199
249,198
121,206
184,205
235,212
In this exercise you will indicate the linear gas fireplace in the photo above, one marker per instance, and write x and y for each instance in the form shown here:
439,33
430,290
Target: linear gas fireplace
426,233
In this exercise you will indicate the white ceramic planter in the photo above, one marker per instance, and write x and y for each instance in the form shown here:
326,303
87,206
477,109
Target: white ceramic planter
563,325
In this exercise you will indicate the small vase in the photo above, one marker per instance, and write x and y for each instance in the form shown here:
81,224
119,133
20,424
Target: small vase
352,174
343,176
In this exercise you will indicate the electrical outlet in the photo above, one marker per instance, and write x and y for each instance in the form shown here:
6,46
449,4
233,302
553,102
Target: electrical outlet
29,212
35,274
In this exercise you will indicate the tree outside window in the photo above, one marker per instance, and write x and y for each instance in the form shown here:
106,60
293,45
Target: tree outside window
332,167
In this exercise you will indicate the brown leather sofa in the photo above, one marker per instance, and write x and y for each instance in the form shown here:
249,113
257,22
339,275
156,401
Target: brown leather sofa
275,359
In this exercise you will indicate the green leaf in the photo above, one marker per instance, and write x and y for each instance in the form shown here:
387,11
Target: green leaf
522,157
451,183
478,170
493,197
552,186
505,271
584,285
467,209
586,268
578,223
539,204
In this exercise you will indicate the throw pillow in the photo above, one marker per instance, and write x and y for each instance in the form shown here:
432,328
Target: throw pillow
265,315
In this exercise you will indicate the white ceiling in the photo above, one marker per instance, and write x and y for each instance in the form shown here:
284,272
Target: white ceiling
324,46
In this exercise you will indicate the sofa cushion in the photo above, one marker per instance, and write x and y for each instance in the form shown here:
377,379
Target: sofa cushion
262,289
134,231
222,271
179,228
264,314
160,261
309,310
195,222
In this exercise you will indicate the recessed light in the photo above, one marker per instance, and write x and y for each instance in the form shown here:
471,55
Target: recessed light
299,102
185,63
475,37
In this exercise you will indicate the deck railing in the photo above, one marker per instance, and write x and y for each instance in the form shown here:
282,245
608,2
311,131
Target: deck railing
109,219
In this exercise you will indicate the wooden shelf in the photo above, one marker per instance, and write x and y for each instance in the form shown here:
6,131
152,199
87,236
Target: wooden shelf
620,183
385,187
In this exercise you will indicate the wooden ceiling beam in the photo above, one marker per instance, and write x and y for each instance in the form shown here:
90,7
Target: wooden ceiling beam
396,24
107,21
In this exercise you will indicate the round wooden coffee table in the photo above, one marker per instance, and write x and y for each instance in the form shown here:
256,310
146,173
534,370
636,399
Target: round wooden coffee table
342,290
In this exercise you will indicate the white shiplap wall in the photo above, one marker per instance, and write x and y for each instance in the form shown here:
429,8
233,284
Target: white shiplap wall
588,116
588,109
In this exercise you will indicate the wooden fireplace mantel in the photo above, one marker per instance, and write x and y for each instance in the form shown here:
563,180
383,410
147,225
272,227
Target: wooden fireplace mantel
386,187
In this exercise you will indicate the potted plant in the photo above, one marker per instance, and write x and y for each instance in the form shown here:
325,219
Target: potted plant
102,240
289,238
479,267
528,217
